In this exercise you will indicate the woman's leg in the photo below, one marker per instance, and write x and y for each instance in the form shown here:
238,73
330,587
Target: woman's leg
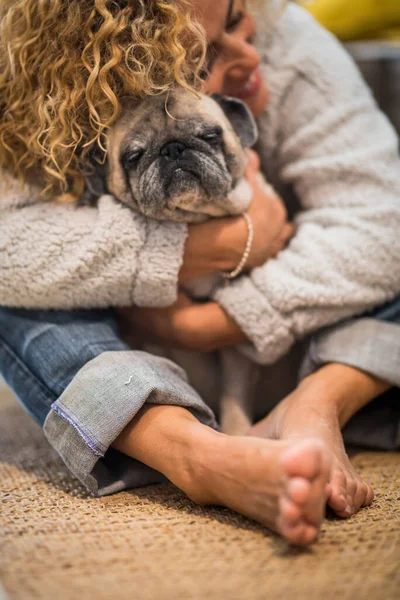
320,407
98,400
83,384
327,399
280,484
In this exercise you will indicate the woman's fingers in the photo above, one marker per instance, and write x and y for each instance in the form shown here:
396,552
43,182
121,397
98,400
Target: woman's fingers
186,324
286,235
217,245
253,165
269,216
282,240
157,324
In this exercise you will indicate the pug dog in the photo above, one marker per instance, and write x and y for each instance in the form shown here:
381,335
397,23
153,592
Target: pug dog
183,158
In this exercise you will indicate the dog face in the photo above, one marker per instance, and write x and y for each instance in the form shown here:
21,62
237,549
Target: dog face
179,158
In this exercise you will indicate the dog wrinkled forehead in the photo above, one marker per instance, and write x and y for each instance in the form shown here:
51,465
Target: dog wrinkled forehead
179,113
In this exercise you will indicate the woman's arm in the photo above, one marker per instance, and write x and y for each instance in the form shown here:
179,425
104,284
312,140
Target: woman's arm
60,256
341,156
219,241
63,257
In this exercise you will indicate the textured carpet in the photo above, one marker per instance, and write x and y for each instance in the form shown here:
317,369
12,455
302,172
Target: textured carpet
153,543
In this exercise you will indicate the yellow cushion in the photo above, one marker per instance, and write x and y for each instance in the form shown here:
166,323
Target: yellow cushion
355,19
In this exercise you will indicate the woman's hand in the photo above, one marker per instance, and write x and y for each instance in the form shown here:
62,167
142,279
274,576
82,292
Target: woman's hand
218,244
185,324
268,213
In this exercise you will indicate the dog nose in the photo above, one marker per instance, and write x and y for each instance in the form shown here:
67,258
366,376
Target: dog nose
173,150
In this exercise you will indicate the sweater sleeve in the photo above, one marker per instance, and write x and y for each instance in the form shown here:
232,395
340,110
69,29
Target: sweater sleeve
340,155
65,257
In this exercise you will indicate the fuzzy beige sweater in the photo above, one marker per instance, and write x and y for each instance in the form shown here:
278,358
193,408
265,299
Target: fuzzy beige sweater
321,137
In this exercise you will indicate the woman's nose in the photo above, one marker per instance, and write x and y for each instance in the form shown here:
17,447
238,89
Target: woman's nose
241,60
237,60
244,61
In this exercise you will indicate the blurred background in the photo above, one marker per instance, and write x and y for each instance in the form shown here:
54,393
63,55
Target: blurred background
370,29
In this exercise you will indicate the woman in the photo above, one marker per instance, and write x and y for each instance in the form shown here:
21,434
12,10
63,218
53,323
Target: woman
111,405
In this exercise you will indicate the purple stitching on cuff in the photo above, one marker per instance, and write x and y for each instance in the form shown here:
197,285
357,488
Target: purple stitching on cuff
83,435
69,412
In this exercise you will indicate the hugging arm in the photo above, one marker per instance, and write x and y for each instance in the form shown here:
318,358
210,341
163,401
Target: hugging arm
62,257
341,156
65,257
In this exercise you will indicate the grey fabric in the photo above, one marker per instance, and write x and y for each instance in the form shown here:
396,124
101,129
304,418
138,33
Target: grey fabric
367,344
98,404
372,346
321,137
377,425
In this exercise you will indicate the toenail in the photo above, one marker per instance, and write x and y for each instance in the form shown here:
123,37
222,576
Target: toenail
342,502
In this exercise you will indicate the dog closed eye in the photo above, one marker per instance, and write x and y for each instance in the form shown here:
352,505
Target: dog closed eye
131,159
212,136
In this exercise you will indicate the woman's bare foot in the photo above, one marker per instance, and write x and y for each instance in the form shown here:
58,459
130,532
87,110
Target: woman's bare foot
312,410
280,484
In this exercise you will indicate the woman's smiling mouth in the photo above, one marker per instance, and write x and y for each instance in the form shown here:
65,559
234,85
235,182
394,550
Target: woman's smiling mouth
252,86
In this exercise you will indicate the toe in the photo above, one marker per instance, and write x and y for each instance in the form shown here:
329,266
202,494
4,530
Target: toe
360,495
328,491
308,467
364,495
293,533
344,513
352,485
348,492
290,513
341,504
369,498
314,509
310,534
304,459
339,499
298,490
300,534
337,502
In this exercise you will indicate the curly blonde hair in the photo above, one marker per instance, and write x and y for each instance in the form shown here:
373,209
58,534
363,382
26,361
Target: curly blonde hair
65,66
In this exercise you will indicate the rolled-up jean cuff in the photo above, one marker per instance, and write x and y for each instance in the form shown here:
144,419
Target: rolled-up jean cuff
107,393
367,344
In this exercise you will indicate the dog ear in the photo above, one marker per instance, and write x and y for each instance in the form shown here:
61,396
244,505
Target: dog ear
94,171
240,118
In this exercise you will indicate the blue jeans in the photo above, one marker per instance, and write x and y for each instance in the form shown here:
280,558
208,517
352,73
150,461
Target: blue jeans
77,378
42,351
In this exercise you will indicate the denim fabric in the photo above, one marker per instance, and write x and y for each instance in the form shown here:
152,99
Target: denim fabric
81,382
390,312
73,373
42,351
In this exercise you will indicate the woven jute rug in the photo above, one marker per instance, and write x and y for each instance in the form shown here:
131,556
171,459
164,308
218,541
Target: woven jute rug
59,543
